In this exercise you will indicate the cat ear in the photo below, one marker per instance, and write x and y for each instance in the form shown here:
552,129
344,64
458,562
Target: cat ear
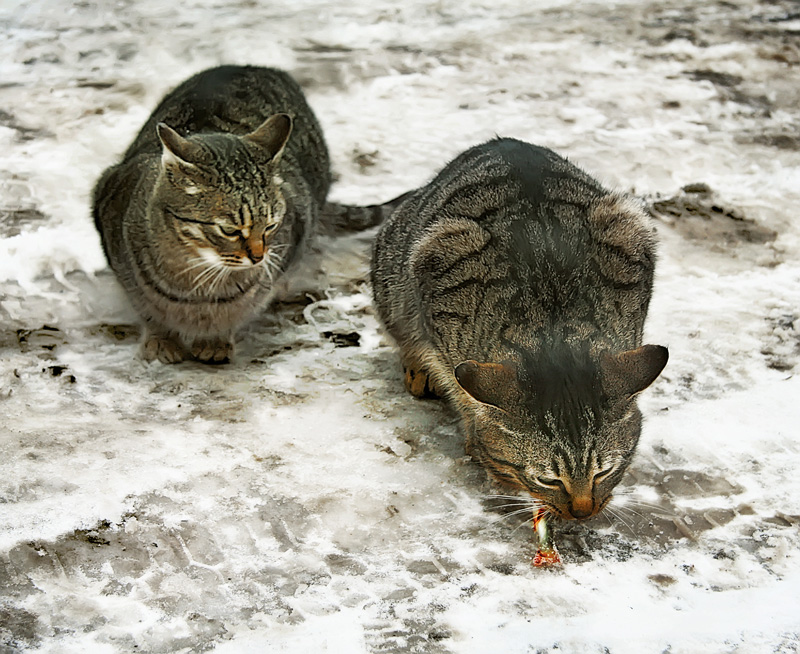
629,373
272,135
178,151
490,383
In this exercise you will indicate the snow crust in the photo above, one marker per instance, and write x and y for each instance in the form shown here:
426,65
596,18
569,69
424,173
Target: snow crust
298,500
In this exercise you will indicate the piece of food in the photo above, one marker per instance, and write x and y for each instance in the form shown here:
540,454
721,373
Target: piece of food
546,552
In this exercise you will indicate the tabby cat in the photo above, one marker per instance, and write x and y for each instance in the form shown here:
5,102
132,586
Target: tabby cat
211,204
517,287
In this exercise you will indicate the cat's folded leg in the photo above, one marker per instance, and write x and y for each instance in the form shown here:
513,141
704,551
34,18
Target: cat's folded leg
163,347
212,350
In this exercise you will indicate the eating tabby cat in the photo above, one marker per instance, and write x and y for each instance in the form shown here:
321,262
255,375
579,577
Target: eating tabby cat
517,288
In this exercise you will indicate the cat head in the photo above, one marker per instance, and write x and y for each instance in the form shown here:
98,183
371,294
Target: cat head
561,426
220,193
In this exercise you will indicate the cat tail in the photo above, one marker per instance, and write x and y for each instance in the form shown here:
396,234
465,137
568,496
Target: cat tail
343,218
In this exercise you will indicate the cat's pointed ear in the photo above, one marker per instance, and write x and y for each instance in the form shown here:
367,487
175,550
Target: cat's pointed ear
489,383
272,135
628,373
178,151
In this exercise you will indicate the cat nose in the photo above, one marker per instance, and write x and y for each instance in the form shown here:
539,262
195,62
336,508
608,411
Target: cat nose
581,507
255,249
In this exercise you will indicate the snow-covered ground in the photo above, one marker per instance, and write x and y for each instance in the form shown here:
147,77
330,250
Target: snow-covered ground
297,500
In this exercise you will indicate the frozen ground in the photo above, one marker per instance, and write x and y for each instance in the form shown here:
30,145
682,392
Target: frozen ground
297,500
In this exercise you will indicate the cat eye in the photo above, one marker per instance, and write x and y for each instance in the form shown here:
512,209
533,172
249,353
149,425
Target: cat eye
549,482
603,474
228,230
186,219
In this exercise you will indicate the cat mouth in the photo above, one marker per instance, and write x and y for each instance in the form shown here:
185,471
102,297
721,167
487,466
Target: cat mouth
242,263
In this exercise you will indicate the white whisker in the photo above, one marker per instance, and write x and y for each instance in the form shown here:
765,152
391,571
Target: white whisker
200,278
511,514
622,508
618,516
221,274
194,262
225,273
273,260
193,266
503,508
628,502
206,275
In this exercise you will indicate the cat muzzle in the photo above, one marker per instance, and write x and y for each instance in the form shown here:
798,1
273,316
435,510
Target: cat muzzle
580,508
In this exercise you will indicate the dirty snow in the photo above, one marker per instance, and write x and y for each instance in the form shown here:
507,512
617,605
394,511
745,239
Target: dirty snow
297,500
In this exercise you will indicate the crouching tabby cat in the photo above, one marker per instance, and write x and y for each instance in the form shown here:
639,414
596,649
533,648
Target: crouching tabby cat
517,288
210,205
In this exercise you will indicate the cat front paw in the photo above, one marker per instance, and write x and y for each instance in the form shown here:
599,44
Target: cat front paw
214,351
163,348
418,383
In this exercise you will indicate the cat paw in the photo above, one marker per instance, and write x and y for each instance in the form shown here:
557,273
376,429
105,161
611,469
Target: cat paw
163,348
212,351
418,383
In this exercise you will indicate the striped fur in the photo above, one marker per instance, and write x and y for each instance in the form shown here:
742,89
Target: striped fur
342,218
518,286
211,204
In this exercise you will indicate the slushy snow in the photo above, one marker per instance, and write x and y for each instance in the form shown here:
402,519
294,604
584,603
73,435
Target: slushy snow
298,500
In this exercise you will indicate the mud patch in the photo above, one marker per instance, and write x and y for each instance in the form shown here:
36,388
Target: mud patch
18,629
700,216
784,138
694,484
417,632
322,65
142,554
343,339
770,28
782,350
365,160
46,338
60,371
727,87
119,333
24,133
16,221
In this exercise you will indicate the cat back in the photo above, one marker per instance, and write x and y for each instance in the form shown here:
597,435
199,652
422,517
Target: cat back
517,287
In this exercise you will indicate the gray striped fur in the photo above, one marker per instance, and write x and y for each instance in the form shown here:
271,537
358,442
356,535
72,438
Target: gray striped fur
518,287
213,156
342,218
